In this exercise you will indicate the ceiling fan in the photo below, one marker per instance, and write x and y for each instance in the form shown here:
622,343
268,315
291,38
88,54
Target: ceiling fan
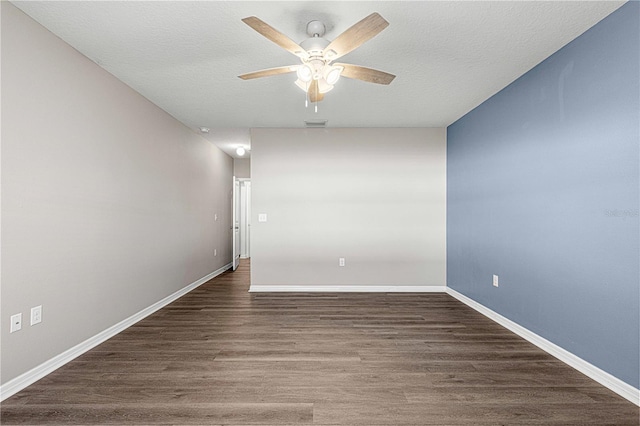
317,74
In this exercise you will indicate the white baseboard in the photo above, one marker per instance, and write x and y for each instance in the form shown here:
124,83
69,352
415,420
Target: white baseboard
16,385
348,289
623,389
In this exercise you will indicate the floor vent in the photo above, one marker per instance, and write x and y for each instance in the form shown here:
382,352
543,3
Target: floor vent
315,123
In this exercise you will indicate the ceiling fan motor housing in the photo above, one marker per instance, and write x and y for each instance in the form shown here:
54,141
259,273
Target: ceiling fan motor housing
314,46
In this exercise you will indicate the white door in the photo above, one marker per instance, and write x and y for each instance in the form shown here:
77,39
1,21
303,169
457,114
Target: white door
235,224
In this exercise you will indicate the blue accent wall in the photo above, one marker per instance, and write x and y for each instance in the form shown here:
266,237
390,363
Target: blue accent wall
543,190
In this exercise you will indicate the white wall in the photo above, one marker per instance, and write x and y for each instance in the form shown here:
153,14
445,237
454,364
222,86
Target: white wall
107,201
376,197
242,167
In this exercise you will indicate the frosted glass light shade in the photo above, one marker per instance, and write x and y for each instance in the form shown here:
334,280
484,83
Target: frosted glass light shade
305,73
302,85
323,86
332,74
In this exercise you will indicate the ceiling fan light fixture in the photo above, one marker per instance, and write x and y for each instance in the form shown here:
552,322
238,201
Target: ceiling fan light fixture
305,73
302,85
332,74
324,86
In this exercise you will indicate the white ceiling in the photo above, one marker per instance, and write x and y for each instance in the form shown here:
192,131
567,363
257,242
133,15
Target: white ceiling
185,57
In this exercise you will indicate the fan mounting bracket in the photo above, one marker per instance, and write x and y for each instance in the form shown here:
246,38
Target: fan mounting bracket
316,29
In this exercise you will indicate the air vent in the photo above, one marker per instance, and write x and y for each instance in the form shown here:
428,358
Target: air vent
315,123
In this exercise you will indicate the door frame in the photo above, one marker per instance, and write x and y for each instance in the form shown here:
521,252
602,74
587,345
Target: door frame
245,218
235,225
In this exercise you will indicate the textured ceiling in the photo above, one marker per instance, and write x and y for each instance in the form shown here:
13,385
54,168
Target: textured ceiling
185,56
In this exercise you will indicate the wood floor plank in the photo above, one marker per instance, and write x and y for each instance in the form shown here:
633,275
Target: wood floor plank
170,414
495,395
478,414
221,355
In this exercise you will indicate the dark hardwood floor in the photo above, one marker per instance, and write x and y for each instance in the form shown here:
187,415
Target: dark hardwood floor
220,355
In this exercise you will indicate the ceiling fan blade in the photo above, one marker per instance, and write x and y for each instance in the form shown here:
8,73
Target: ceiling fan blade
275,36
268,72
314,94
356,35
366,74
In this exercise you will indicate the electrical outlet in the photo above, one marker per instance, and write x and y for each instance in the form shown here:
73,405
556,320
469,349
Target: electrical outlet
36,315
341,261
16,322
495,281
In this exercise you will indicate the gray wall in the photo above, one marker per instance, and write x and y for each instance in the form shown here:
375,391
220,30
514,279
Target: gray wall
242,167
107,201
373,196
543,191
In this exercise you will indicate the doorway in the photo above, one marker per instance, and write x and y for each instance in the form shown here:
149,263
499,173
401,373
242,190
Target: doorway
241,222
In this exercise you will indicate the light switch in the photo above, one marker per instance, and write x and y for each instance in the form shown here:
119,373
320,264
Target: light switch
262,217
